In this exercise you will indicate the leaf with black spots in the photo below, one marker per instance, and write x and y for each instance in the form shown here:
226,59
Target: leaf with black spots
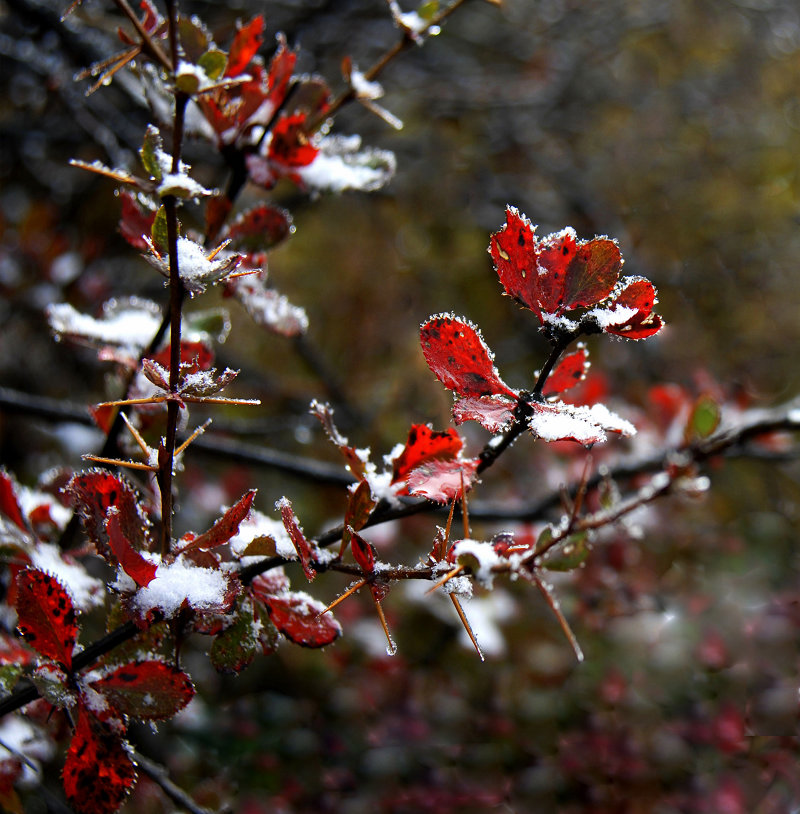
45,616
425,444
514,252
147,690
99,772
459,358
567,373
300,619
92,493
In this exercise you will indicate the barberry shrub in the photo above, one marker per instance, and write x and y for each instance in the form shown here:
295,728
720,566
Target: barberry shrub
106,587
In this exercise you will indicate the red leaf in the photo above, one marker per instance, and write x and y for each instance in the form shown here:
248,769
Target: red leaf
9,505
99,772
442,480
567,373
639,295
261,228
554,274
46,617
302,545
147,690
514,252
290,145
424,444
245,44
268,584
103,416
13,652
92,493
592,274
359,508
136,221
297,616
493,413
226,527
132,562
457,355
195,356
363,552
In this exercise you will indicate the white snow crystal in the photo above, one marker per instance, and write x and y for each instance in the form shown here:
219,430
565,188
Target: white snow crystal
471,551
257,524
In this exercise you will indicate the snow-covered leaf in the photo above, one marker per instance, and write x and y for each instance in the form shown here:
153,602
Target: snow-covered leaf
442,481
299,618
559,421
341,164
493,413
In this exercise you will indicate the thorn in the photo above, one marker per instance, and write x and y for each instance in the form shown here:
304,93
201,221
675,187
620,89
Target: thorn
219,248
117,462
448,576
562,620
392,648
467,626
351,590
464,510
443,550
199,431
136,436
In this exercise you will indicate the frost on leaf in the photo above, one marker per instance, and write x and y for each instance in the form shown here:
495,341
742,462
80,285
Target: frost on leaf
457,355
147,690
558,421
267,307
493,413
629,310
567,373
557,273
235,647
443,481
92,494
99,772
300,619
127,324
425,444
196,268
46,617
261,228
341,164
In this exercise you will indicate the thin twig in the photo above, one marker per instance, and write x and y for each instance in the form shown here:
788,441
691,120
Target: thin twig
158,774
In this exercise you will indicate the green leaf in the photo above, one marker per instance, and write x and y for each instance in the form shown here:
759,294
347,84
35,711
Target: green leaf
158,232
51,681
704,418
194,37
151,150
213,62
569,554
9,673
235,647
213,322
428,9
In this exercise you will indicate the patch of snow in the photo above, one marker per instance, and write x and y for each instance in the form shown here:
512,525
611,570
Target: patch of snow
339,166
19,737
85,591
257,524
470,552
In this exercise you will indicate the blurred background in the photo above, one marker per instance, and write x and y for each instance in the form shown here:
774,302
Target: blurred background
673,126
